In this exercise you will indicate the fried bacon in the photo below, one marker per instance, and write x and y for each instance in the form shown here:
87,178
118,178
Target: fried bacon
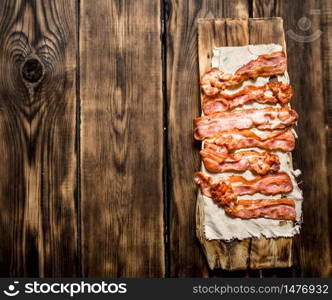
226,141
263,208
233,186
265,65
271,92
211,82
265,119
258,162
270,184
226,191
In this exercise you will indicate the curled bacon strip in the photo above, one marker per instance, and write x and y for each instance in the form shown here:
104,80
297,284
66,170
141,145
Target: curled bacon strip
211,82
226,191
265,65
258,162
238,139
271,92
265,119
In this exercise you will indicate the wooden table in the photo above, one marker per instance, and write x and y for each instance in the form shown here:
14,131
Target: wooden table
96,149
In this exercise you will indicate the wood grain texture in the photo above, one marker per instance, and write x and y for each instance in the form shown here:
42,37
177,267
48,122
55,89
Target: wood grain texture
121,139
263,8
38,225
183,106
249,253
309,65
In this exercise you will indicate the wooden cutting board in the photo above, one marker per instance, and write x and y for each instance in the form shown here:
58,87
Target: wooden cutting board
251,253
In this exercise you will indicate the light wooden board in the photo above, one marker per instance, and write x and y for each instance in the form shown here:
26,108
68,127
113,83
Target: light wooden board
38,222
121,139
249,253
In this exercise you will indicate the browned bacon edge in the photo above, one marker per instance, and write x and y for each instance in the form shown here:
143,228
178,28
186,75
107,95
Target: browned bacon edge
226,191
280,93
257,162
265,65
269,118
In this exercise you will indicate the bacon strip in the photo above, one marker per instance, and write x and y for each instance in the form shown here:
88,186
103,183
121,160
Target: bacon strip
271,92
226,191
270,184
233,186
263,208
265,65
265,119
258,162
235,139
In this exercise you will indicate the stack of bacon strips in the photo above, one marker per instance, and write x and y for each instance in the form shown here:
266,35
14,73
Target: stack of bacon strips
226,132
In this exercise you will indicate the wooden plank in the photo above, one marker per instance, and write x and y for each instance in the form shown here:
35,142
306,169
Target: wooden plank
269,253
253,253
308,64
121,139
183,106
38,228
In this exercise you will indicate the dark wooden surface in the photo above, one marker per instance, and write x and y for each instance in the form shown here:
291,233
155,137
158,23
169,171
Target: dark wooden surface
121,139
96,144
38,223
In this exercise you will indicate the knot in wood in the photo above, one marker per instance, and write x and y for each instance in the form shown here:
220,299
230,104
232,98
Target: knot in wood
32,70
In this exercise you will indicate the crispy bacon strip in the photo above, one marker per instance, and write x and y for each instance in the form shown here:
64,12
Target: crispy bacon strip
270,184
226,191
233,186
265,65
263,208
265,119
258,162
238,139
271,92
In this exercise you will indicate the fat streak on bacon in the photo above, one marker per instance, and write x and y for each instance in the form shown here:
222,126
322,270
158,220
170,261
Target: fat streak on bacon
227,189
265,119
215,80
257,162
271,92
